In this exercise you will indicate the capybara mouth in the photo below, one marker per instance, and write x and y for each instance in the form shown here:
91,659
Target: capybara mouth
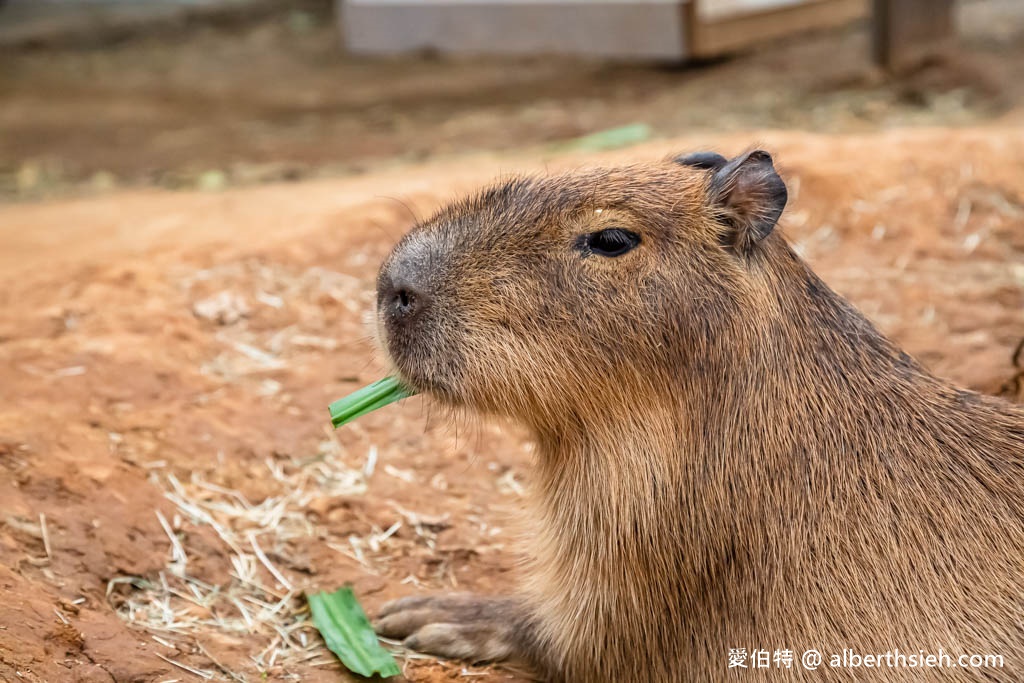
410,358
427,380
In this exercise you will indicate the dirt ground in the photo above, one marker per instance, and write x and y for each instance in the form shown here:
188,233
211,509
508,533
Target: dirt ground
170,486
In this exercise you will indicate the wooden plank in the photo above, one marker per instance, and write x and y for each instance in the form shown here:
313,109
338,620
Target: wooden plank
710,10
905,32
708,38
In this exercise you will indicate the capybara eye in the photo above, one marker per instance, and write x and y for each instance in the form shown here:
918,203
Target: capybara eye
610,242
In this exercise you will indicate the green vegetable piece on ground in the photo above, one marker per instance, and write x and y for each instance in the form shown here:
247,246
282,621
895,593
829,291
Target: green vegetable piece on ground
368,399
348,634
612,138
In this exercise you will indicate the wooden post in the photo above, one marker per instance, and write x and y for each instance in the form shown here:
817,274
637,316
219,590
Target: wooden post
905,32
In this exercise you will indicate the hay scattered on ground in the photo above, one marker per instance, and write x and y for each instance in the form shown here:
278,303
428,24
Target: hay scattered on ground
258,603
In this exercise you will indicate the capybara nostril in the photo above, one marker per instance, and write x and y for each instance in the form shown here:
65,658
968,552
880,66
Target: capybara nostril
401,295
404,302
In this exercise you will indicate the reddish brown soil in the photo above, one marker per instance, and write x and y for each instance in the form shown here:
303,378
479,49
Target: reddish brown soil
149,337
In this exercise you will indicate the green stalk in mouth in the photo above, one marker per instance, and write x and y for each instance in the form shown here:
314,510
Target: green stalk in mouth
366,400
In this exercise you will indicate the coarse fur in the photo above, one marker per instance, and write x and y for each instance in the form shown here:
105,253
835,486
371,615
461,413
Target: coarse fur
729,454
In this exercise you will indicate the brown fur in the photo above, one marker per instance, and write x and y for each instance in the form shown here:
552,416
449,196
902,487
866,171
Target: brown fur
730,455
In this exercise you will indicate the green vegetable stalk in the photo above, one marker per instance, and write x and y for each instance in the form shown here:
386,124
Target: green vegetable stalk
348,634
368,399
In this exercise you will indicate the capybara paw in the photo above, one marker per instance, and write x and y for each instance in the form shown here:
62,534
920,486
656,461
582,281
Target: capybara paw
466,627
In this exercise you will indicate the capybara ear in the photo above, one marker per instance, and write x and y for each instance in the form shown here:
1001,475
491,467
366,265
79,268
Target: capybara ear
750,197
709,161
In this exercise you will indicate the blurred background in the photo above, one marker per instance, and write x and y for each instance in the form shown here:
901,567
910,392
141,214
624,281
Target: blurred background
195,196
208,93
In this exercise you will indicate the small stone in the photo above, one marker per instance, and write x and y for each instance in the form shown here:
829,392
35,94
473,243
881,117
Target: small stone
224,308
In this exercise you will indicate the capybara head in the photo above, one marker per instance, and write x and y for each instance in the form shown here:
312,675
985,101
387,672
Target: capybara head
545,298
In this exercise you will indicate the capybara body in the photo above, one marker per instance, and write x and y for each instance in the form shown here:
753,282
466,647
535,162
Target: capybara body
729,455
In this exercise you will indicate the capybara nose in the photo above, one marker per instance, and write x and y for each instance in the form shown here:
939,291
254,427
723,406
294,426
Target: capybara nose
401,296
